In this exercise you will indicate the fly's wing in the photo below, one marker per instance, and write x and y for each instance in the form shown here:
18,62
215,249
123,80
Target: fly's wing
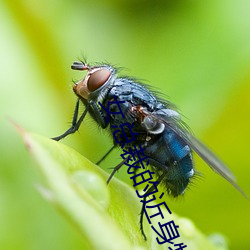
212,160
175,124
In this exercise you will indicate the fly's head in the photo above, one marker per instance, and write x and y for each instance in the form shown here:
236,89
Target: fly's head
96,79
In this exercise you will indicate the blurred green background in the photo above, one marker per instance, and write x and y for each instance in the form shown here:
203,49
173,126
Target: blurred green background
196,52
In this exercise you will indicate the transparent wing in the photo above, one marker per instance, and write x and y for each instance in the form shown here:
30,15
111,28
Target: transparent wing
212,160
176,125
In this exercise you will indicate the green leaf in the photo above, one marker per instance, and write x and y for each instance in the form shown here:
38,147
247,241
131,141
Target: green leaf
106,215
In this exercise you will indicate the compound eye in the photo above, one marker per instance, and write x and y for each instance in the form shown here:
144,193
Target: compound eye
97,79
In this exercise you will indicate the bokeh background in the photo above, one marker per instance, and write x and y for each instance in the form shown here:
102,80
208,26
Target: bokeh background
195,52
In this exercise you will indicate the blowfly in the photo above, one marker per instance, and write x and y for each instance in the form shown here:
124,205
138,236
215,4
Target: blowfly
157,126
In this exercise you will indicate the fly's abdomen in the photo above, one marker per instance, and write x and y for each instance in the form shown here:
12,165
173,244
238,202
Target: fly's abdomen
180,167
174,155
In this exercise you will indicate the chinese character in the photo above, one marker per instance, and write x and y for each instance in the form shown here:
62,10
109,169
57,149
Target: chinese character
133,165
137,155
109,111
180,246
172,232
122,133
143,178
144,201
155,184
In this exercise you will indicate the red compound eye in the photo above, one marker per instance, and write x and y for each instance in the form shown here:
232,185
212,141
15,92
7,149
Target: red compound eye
97,79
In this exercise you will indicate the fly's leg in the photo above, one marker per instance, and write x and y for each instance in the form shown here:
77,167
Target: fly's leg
98,114
116,169
75,124
105,155
144,200
136,169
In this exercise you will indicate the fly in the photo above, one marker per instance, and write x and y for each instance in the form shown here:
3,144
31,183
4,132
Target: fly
166,141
